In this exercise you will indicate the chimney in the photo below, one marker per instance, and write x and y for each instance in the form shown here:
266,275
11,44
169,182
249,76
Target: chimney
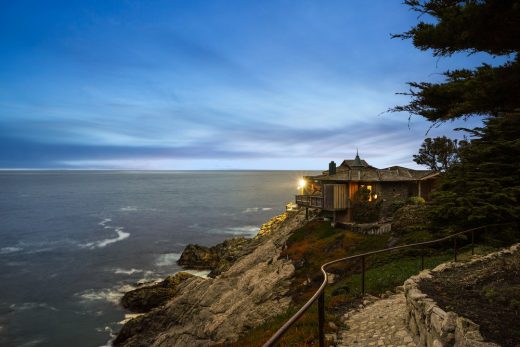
332,168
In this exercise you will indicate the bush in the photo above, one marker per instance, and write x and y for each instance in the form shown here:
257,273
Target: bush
410,218
394,206
416,200
364,210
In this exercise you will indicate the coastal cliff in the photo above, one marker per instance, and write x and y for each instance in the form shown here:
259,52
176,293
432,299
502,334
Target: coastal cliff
249,290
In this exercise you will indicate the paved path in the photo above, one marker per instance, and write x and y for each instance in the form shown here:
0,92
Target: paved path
379,324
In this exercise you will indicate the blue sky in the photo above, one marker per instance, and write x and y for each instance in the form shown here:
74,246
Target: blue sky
209,84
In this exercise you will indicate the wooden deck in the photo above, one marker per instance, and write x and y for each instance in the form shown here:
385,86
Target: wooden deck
310,201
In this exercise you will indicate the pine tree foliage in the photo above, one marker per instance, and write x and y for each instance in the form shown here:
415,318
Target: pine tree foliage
483,187
437,153
491,26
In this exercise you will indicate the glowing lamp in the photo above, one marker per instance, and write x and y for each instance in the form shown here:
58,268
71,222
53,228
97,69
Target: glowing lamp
301,183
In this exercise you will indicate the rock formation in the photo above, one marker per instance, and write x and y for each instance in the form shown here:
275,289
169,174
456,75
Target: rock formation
217,310
148,297
217,258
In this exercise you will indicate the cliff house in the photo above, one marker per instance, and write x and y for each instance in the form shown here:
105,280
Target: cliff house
334,190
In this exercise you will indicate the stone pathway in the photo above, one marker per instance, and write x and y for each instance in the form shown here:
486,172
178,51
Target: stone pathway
381,323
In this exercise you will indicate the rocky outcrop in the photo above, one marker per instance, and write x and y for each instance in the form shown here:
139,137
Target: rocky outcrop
435,327
272,224
148,297
217,258
218,310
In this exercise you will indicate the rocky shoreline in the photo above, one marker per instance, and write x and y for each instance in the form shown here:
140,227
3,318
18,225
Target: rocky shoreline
248,283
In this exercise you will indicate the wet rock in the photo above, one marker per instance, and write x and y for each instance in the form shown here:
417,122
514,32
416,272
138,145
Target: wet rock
147,297
217,258
217,310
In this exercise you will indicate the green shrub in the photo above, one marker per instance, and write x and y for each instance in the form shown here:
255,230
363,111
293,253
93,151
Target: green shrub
394,206
416,200
364,210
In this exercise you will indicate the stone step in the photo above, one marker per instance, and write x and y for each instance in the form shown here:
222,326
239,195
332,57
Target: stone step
381,323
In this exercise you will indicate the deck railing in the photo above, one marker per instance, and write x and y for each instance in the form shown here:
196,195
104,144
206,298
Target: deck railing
319,295
310,200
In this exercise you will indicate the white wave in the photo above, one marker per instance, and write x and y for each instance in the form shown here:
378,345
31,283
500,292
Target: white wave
128,209
130,316
8,250
111,295
148,281
105,221
31,306
135,208
110,333
199,273
256,209
121,235
247,230
132,271
33,342
167,259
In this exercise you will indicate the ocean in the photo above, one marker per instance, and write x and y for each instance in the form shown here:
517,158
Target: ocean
72,242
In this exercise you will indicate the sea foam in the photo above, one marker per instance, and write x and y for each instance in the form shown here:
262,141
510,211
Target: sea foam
256,209
111,295
198,273
167,259
121,235
7,250
132,271
31,306
246,230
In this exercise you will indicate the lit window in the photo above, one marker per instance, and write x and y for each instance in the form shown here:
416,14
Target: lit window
369,188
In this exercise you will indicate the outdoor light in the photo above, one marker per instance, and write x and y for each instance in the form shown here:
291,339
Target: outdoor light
375,196
301,183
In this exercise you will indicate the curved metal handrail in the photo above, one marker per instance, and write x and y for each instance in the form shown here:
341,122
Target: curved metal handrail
319,294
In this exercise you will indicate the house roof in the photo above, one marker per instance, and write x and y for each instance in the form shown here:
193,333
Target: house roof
360,170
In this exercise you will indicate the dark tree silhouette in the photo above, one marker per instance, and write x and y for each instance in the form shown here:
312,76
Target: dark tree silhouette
437,153
490,26
483,185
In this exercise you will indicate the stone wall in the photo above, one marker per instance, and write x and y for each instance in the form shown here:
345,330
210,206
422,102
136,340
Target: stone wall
372,228
435,327
394,192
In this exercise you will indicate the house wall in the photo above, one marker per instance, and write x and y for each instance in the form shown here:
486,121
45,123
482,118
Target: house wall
394,192
335,196
427,187
339,196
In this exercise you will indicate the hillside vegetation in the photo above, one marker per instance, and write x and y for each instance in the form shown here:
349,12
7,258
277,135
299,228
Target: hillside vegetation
316,243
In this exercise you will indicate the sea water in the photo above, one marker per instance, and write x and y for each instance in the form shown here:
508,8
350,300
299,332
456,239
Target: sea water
72,242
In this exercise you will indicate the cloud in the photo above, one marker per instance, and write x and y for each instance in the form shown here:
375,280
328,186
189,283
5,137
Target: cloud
227,85
232,142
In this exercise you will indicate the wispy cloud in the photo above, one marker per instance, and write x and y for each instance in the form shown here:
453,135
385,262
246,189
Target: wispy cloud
207,84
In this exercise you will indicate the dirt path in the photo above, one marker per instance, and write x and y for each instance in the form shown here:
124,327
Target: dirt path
379,324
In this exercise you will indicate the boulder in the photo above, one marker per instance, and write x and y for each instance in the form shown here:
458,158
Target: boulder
147,297
217,258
